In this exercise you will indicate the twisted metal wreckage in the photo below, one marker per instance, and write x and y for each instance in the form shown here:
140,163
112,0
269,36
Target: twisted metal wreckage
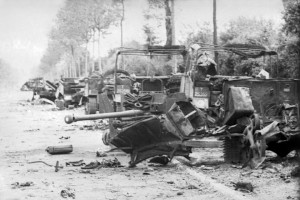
169,113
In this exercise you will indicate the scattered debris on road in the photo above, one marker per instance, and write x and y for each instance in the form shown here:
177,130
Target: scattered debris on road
192,187
91,165
105,163
19,185
68,192
243,186
65,138
56,166
101,154
32,130
75,163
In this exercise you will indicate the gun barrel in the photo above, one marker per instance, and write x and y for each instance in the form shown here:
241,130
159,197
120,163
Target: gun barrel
127,113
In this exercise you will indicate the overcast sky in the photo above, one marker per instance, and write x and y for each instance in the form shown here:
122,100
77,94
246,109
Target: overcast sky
25,24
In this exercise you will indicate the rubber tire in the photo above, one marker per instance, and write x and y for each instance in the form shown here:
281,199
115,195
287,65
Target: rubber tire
91,106
105,138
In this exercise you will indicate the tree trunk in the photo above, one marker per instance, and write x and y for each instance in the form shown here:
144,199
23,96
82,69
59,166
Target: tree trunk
93,66
298,62
168,23
70,70
66,72
86,61
215,30
121,26
72,62
173,34
79,69
74,66
99,53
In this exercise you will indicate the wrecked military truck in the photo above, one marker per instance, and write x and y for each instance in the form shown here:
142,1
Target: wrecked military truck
41,87
70,91
250,114
99,90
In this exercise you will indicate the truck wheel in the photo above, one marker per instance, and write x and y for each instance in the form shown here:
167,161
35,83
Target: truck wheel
105,137
91,106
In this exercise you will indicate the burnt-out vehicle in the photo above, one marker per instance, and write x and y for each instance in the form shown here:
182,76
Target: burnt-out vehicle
70,91
158,88
99,90
117,86
41,87
256,113
249,114
31,84
47,91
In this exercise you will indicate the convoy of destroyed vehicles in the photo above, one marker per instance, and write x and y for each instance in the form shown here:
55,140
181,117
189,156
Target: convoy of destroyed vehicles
151,116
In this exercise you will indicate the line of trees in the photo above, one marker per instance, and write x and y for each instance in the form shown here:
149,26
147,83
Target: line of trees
80,24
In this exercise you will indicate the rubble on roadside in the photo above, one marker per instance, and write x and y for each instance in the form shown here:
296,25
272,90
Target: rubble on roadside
104,163
68,192
99,125
21,185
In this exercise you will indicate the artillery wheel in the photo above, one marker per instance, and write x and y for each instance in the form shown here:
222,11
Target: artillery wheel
235,150
91,106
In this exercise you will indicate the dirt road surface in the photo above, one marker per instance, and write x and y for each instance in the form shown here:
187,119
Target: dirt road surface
26,130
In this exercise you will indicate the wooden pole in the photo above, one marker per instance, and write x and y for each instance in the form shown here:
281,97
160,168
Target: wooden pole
215,30
173,34
86,61
99,53
122,19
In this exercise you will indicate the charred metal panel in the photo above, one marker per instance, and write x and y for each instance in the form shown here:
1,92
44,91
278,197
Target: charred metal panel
238,104
180,121
158,103
147,138
173,98
142,133
267,92
152,85
186,118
